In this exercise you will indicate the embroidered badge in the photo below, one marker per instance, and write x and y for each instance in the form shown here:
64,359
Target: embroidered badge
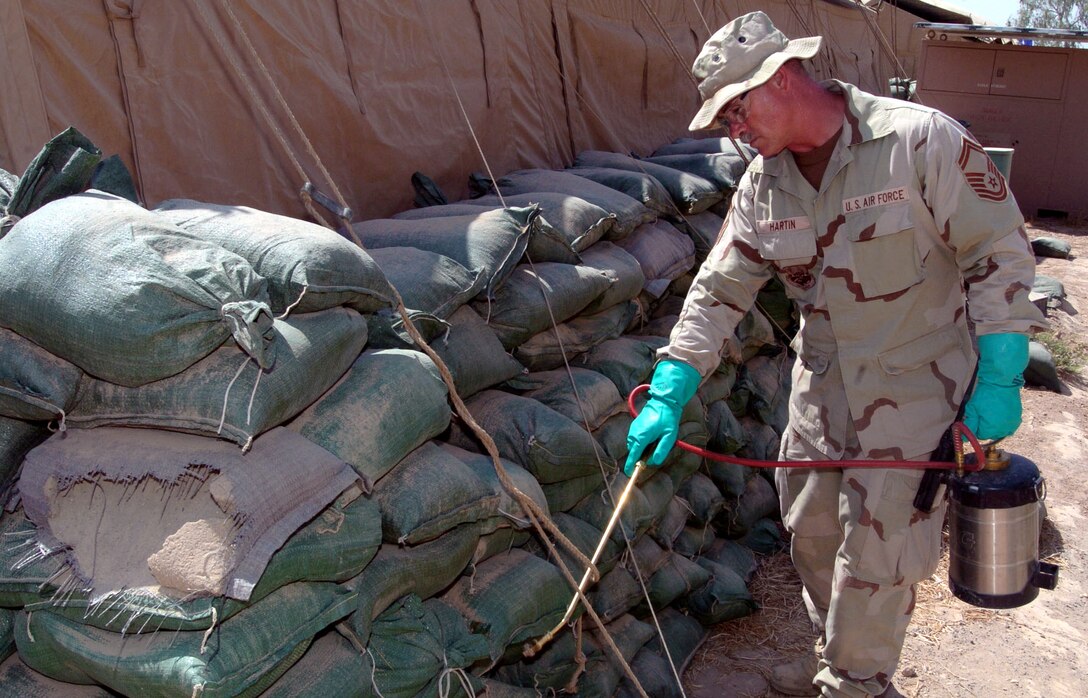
982,175
799,276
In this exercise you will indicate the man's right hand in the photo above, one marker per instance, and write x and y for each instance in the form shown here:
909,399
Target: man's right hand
673,384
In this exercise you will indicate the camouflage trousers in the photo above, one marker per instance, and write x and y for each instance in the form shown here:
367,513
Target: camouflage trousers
859,546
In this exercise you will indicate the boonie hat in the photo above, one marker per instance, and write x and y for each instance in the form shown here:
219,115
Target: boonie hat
741,55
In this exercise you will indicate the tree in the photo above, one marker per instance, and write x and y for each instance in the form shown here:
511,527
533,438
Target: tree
1052,14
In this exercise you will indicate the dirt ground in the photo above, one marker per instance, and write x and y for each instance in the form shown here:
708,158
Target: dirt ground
955,650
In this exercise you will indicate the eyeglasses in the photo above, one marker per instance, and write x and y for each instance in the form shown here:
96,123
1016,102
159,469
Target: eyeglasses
734,114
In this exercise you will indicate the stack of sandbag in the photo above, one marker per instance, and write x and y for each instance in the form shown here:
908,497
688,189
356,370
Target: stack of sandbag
421,572
203,325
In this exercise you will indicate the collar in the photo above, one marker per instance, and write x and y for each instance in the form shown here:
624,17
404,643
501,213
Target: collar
866,119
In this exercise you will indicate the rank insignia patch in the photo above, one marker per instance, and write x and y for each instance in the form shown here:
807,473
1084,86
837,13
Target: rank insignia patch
982,175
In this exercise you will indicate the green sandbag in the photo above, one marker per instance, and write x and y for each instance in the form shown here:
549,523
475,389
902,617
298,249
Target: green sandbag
17,679
638,185
34,384
473,354
361,419
586,537
690,192
1041,370
555,347
615,594
533,435
509,511
694,540
417,646
318,349
548,242
308,267
703,497
1051,247
583,396
677,578
580,222
428,281
671,523
533,297
331,667
612,434
429,492
628,360
565,494
734,556
598,507
629,212
621,267
512,598
657,672
423,570
664,252
758,501
723,169
130,298
764,538
247,651
597,669
64,166
492,242
725,596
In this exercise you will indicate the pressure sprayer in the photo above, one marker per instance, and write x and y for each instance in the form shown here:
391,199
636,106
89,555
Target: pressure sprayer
994,514
994,517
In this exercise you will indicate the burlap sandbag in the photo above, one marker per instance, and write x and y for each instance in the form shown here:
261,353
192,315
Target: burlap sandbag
333,547
226,394
129,298
189,514
390,402
306,265
16,438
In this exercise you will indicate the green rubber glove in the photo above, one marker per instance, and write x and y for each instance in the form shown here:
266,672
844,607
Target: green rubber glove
673,384
993,410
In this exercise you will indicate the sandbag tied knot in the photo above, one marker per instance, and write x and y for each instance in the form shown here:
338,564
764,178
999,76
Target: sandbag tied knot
251,325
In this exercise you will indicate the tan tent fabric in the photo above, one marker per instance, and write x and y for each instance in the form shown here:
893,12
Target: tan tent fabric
374,90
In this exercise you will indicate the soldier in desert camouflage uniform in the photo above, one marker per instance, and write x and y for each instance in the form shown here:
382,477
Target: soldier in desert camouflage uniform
890,228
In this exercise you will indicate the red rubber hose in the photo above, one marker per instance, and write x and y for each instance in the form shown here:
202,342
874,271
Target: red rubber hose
959,432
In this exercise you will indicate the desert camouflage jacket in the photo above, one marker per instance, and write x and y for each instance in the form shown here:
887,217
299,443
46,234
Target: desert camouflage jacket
913,237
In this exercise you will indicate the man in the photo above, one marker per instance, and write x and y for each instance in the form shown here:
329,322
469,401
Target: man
893,233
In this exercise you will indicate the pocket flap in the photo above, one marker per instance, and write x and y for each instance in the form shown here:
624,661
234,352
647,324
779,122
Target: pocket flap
920,351
879,221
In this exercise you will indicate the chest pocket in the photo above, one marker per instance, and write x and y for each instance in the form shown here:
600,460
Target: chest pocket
787,247
883,249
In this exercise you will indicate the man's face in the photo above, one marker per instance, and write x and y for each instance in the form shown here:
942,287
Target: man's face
753,119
